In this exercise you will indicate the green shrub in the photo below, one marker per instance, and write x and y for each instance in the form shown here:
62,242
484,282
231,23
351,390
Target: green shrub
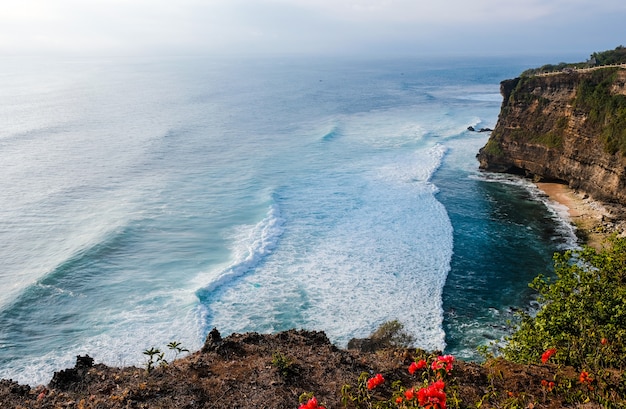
285,366
391,334
583,313
492,147
551,140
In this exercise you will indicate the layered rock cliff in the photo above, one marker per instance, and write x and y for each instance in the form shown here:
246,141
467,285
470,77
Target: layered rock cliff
568,127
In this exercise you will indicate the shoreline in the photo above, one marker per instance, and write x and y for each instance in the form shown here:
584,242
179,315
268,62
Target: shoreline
594,221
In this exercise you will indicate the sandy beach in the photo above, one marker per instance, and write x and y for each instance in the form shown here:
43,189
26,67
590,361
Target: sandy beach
594,221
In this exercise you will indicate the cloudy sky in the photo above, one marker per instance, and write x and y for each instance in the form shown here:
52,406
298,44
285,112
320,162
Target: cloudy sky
184,27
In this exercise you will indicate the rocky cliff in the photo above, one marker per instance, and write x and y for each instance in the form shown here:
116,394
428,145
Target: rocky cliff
251,371
567,127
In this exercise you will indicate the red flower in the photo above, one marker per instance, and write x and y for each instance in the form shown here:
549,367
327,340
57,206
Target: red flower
433,396
375,381
585,377
416,366
443,362
311,404
409,394
439,384
604,341
546,355
399,400
547,385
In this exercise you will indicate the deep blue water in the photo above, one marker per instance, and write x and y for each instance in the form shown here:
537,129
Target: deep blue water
149,201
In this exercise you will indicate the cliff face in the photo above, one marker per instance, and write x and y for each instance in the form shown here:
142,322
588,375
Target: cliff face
563,127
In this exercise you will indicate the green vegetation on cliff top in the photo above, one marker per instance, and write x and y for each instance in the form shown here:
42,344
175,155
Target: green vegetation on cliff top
608,57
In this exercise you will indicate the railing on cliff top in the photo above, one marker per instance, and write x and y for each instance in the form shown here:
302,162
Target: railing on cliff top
570,70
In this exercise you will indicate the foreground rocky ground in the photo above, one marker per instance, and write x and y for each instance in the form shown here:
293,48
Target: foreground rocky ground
272,371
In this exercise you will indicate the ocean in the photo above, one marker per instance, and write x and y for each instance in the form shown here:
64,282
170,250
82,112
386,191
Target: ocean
148,200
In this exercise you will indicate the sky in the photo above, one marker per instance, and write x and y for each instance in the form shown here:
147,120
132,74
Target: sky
317,27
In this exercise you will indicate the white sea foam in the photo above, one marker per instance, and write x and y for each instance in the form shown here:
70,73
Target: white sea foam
119,341
565,229
251,244
419,167
564,226
382,253
479,93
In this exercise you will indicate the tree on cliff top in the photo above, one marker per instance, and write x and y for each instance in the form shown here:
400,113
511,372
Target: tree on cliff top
617,56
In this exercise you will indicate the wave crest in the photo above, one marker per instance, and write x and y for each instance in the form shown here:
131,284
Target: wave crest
251,246
334,133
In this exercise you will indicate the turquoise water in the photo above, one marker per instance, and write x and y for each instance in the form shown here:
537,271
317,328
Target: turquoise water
149,201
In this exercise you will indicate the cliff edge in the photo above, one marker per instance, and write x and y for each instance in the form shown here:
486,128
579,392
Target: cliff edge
251,371
567,127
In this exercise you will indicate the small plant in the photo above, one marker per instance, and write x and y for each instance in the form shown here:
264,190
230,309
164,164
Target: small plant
391,334
155,357
284,365
176,347
362,397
